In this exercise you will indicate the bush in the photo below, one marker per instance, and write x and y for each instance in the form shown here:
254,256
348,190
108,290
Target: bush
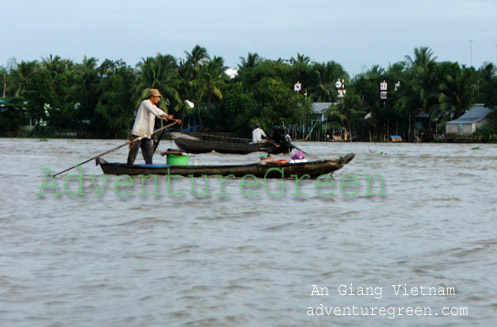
484,134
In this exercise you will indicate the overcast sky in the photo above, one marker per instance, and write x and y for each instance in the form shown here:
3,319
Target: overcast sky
355,33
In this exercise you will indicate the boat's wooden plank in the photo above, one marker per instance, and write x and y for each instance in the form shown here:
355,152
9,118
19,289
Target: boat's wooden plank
311,168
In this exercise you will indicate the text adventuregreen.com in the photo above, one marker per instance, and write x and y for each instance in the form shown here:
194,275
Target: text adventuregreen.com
348,184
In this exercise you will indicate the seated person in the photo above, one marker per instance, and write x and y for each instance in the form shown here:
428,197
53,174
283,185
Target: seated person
258,134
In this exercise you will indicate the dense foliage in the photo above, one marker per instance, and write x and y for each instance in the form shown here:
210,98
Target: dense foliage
56,96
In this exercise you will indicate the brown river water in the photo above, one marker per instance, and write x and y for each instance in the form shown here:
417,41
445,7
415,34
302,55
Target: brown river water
406,236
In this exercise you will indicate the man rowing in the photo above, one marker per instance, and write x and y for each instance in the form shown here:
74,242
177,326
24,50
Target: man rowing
144,127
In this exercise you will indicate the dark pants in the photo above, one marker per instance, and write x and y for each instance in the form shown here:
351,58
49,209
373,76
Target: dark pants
147,147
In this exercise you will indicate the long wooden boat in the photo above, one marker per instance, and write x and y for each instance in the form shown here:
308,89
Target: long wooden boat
283,170
204,143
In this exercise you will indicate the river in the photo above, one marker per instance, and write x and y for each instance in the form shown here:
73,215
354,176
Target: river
405,236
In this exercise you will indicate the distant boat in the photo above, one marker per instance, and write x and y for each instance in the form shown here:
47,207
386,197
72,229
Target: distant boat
263,169
203,143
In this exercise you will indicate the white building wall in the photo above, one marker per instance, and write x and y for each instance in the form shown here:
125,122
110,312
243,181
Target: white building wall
461,129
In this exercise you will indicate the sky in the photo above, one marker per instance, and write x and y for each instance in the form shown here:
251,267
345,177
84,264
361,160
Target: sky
357,34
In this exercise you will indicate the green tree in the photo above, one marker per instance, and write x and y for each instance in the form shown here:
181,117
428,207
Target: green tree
194,59
278,104
395,110
13,114
424,81
250,76
300,67
237,112
210,82
159,73
457,92
56,66
367,86
185,90
86,91
40,95
325,75
487,84
347,110
422,92
21,74
250,62
115,110
61,109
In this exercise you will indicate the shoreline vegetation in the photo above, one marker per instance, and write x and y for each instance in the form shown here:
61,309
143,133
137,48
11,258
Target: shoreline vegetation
73,137
412,98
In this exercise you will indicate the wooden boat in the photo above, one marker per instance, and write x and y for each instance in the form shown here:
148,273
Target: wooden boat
204,143
266,169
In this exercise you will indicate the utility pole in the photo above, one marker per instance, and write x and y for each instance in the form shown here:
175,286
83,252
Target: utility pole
471,53
4,84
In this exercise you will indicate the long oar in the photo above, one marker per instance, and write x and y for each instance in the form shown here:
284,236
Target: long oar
276,145
296,147
117,148
156,143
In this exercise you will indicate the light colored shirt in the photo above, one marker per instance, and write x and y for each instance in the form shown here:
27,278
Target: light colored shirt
145,118
257,135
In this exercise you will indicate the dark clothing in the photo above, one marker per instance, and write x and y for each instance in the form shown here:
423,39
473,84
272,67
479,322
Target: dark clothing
147,147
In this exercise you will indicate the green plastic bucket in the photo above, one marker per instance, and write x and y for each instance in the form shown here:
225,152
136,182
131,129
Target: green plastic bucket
178,160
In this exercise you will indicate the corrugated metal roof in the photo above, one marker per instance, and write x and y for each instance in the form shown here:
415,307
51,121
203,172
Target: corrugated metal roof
320,107
473,115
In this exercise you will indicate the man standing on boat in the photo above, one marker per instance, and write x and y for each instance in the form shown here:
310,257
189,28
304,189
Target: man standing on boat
258,134
144,126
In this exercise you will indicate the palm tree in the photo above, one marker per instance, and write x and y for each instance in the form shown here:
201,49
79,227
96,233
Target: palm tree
326,76
301,67
487,84
487,71
60,72
457,94
249,70
211,79
56,65
348,110
114,110
367,85
159,73
195,58
252,60
423,57
424,79
86,88
301,59
424,82
22,73
185,89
